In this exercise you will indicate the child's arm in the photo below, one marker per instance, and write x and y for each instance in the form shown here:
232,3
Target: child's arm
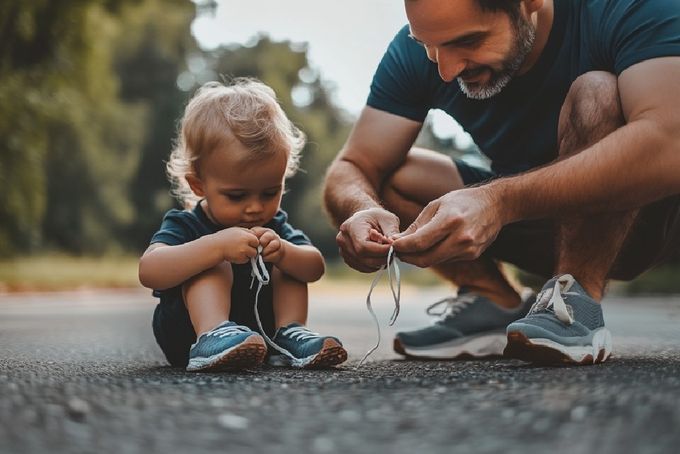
164,266
302,262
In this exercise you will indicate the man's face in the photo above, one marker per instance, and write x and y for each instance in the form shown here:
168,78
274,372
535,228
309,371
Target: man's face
483,50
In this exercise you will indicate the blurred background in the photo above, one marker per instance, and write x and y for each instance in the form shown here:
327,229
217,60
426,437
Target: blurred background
90,95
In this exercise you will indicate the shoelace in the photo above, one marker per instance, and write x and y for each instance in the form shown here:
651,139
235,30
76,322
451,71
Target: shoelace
453,305
392,269
227,330
552,298
259,272
300,333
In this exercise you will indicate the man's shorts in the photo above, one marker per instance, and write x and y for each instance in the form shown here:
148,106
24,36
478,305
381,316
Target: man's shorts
530,245
172,325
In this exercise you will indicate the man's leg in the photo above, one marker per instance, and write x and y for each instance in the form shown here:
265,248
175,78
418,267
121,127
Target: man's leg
425,176
588,246
473,323
566,324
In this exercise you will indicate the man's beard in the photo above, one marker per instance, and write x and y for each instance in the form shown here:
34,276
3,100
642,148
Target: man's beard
525,35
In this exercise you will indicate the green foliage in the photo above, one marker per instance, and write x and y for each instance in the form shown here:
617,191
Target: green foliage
68,148
90,95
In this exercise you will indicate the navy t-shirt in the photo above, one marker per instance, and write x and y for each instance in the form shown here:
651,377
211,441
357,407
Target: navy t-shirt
182,226
517,129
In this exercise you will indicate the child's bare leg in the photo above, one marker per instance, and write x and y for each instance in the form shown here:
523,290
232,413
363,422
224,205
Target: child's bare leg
290,299
207,297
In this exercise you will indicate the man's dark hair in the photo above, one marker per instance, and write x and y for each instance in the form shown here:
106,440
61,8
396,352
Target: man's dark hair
511,7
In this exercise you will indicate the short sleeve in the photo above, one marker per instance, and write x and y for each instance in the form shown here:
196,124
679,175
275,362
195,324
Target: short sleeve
638,30
288,232
174,229
399,84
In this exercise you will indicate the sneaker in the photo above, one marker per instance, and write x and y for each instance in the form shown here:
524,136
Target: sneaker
469,325
309,350
564,326
227,347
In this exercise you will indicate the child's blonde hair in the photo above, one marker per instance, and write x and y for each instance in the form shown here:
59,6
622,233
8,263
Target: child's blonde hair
246,110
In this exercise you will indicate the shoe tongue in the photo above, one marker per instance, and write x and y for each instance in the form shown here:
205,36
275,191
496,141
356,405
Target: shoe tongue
292,325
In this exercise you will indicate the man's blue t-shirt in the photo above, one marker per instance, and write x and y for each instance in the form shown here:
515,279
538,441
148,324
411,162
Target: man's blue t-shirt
517,129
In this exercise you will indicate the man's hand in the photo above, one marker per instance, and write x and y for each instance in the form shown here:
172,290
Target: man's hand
364,238
238,244
459,225
273,247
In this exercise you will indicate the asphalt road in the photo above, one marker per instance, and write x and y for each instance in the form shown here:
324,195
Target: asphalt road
80,372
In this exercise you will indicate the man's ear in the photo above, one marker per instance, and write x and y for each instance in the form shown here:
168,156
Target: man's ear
195,184
531,6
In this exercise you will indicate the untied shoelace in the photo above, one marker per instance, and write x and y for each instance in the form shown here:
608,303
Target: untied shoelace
394,279
259,272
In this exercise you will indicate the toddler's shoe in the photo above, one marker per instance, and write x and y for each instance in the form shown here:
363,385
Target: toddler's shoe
565,326
228,346
310,350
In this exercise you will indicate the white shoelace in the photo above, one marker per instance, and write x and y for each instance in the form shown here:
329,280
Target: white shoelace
259,272
392,270
552,298
453,305
227,330
300,333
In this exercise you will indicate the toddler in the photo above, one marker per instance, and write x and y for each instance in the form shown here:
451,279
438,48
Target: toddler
228,168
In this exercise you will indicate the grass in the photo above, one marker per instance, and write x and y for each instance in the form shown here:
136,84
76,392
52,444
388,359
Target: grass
58,272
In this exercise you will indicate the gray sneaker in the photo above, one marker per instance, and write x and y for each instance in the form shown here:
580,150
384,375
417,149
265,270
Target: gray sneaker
467,325
564,326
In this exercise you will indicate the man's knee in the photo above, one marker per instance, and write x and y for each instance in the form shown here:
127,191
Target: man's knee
591,111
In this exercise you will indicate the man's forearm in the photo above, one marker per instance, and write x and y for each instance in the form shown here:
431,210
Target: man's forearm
635,165
347,190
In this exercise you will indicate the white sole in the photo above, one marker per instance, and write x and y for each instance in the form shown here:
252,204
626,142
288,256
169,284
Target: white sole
539,350
477,347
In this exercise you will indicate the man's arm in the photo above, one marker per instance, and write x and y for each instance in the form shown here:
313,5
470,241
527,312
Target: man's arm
377,145
633,166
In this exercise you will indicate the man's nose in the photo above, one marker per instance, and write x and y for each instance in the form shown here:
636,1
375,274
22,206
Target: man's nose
449,64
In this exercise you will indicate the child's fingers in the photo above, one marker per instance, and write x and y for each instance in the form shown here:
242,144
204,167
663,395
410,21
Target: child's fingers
271,247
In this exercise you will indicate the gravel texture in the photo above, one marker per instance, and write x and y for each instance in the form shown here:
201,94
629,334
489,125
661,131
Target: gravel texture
80,372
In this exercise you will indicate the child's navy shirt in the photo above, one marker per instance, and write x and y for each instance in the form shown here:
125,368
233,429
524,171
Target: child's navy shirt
182,226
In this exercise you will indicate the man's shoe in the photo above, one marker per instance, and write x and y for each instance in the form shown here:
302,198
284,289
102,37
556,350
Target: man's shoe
564,326
309,350
227,347
470,325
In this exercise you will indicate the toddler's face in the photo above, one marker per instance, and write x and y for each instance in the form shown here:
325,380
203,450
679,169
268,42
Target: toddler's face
240,192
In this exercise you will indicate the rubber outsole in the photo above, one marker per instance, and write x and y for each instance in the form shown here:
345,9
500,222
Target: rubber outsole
331,354
488,351
248,355
521,347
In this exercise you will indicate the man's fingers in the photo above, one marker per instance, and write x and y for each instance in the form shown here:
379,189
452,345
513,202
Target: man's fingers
355,260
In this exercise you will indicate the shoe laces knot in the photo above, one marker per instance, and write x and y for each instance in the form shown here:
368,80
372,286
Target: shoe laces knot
552,299
299,333
452,305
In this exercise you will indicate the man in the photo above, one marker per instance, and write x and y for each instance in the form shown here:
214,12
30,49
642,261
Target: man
576,104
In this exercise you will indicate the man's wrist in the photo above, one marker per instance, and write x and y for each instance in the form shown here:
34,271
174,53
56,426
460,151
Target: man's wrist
504,198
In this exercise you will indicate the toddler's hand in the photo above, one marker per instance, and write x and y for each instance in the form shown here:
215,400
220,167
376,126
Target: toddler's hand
238,244
273,248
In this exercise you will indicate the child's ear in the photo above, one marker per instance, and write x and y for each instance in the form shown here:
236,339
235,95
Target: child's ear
195,184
